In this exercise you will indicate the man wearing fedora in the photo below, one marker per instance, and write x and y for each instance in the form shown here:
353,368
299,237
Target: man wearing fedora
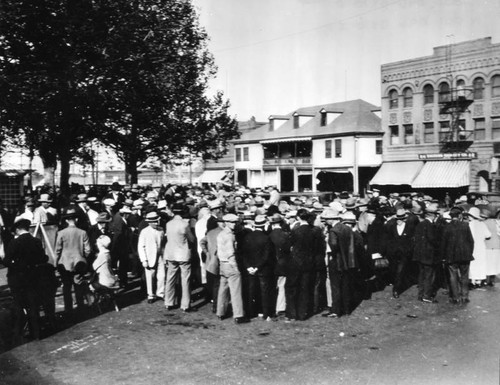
342,260
177,254
281,242
121,246
457,247
149,247
216,214
72,248
81,209
258,260
230,277
426,254
95,231
306,248
399,250
44,213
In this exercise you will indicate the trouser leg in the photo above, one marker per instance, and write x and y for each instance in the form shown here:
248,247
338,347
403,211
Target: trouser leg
173,267
305,295
222,295
464,280
291,295
150,275
266,295
160,278
281,300
185,282
454,289
234,281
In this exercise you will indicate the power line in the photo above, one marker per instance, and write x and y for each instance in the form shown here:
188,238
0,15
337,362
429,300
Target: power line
308,30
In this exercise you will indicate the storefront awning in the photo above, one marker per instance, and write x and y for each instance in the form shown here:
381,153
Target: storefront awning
212,176
397,173
446,174
283,140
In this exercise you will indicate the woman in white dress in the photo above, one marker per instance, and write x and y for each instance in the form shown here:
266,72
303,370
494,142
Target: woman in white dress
478,267
200,230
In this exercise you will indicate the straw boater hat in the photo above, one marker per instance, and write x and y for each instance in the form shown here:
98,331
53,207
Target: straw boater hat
401,214
109,202
44,198
233,218
330,214
348,217
81,198
152,216
260,220
125,210
215,204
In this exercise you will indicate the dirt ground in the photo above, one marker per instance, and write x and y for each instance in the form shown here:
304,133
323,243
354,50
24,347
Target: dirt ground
385,341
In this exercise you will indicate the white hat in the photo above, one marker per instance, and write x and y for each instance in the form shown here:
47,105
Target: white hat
109,202
125,210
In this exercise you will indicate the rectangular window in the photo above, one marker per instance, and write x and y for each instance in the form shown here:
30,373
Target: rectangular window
378,147
479,129
394,134
428,132
408,129
238,154
445,133
328,149
323,119
245,154
338,148
495,128
296,122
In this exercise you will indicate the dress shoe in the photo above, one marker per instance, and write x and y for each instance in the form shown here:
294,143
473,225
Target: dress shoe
151,300
429,300
289,320
241,320
170,307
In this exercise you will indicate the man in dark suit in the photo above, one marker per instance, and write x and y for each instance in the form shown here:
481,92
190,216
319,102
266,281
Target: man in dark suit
121,245
281,241
95,231
116,194
426,254
399,250
23,255
457,246
258,260
305,242
81,208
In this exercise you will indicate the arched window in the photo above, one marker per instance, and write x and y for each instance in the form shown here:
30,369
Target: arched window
495,86
444,92
478,86
407,97
393,99
461,88
428,94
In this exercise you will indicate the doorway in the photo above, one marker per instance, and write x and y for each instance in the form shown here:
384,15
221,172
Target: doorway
287,180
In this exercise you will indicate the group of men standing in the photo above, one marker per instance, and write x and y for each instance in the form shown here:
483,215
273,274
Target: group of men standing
255,258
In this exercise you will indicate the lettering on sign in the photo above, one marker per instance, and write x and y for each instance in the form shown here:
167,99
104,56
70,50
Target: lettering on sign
449,155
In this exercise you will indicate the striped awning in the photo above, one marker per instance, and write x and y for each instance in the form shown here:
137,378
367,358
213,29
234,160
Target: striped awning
443,174
397,173
284,140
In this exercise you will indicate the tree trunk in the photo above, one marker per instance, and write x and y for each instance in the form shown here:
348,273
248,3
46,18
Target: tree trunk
131,173
64,178
49,168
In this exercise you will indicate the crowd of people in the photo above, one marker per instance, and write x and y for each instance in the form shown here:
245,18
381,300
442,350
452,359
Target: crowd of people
254,253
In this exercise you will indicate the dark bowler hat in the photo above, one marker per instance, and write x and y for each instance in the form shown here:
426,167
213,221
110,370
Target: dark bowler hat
103,217
70,214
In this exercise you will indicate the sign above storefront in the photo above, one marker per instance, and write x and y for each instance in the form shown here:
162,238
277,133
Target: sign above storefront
448,156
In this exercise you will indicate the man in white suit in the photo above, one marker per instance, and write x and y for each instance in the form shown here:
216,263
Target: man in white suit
149,248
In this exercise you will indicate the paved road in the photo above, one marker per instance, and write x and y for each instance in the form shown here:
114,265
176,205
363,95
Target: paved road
385,341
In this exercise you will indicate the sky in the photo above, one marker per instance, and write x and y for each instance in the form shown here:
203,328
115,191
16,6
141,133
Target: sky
275,56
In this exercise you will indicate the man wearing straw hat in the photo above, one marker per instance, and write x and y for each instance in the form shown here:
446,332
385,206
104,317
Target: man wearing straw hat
399,250
72,248
44,213
149,248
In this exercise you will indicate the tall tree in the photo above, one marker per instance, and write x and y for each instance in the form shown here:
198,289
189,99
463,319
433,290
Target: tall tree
130,73
154,75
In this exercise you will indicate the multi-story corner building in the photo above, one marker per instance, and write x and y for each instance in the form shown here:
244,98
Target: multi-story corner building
441,118
331,147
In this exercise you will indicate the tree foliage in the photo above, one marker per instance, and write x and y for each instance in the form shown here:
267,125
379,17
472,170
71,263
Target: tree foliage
130,73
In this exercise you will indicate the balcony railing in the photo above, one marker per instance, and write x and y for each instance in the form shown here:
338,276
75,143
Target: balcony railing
287,161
